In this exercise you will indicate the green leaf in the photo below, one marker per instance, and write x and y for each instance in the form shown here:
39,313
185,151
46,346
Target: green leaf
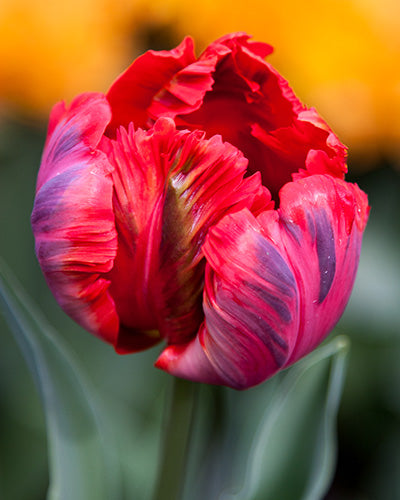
81,461
293,455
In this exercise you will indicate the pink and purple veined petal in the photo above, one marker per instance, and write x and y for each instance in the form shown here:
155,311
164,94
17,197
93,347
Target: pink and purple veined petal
276,284
72,219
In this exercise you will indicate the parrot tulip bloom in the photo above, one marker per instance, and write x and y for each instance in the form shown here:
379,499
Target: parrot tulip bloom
200,203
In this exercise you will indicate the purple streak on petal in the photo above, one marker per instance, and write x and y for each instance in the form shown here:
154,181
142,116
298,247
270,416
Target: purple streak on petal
311,226
292,229
272,300
64,145
50,196
250,302
270,265
325,240
253,322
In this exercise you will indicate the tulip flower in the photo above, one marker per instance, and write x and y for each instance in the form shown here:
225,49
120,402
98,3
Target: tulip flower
201,204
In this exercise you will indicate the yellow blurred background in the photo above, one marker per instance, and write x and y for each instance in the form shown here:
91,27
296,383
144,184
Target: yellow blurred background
341,56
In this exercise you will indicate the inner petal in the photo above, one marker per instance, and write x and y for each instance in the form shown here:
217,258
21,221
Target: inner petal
170,186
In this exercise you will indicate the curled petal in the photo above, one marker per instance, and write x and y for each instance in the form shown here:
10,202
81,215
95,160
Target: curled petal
275,285
306,147
185,91
132,93
73,220
250,303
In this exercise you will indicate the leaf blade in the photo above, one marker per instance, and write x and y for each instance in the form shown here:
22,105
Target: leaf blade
271,457
80,467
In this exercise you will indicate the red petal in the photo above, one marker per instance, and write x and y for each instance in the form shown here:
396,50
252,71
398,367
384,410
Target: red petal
250,304
170,187
132,93
275,285
72,219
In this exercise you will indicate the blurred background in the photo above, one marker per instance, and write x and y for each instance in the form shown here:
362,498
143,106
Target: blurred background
340,56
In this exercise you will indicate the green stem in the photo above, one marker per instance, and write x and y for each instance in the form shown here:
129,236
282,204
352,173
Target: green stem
176,437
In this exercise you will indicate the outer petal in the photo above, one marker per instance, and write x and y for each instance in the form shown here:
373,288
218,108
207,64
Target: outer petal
170,187
250,304
276,284
328,217
73,134
72,219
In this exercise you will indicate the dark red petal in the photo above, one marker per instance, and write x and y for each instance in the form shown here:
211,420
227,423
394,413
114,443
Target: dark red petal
72,219
252,106
170,187
306,147
275,285
132,93
185,91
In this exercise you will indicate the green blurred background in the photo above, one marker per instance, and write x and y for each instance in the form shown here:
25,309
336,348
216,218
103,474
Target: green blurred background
340,56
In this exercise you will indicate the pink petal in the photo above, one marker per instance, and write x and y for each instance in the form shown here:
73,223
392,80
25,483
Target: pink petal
170,187
327,217
250,305
72,219
73,134
275,285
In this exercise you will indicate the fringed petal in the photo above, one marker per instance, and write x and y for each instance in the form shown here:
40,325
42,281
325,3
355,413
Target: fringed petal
170,188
